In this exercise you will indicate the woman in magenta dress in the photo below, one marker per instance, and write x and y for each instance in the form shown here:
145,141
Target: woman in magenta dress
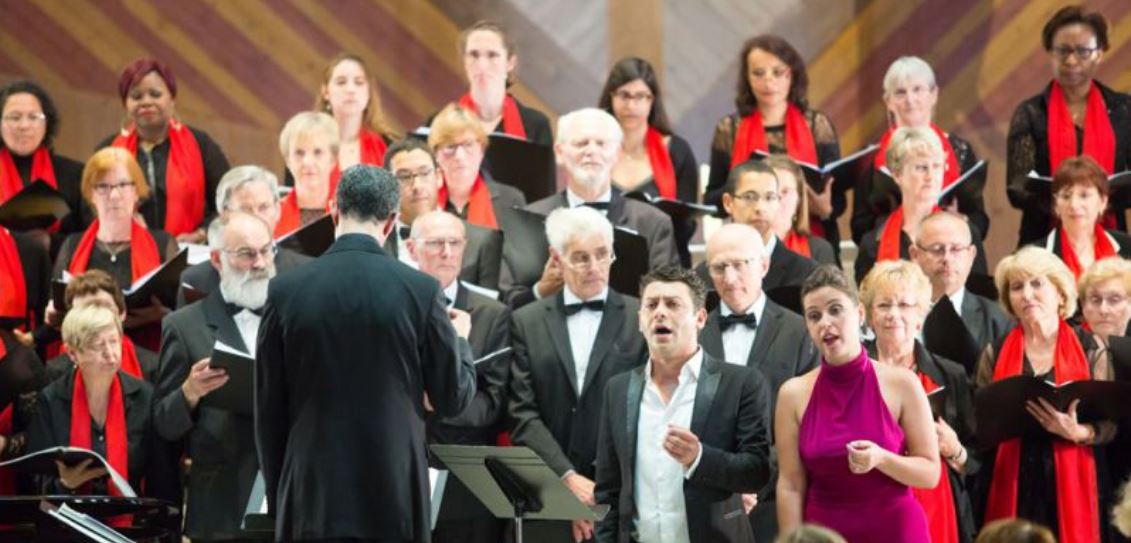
852,436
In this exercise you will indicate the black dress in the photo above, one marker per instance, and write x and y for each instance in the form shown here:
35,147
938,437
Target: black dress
877,196
686,190
1027,150
828,150
153,165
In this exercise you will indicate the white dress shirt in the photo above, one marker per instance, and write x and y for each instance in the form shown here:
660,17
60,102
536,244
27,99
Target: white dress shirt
582,330
661,513
738,340
769,246
956,300
451,291
248,325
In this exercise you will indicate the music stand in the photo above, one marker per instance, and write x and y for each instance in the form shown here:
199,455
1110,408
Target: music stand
513,482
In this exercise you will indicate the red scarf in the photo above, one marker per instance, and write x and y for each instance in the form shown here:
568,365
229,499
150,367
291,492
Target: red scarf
480,210
798,243
512,121
184,177
952,172
938,502
290,216
1102,248
13,287
891,237
663,172
143,251
1099,138
1076,501
117,442
751,136
373,147
10,181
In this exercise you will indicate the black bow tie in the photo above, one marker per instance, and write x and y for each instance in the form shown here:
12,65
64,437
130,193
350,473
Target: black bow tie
404,231
730,320
234,309
594,305
600,206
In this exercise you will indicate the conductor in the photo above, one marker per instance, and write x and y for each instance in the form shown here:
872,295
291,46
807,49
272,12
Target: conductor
350,348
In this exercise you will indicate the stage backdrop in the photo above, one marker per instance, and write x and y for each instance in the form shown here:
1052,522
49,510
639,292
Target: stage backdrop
243,67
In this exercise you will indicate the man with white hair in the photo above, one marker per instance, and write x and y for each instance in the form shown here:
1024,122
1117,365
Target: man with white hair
246,189
566,347
220,443
586,148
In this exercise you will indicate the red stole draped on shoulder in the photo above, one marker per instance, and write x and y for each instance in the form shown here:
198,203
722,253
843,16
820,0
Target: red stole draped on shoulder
117,442
290,215
480,210
938,502
373,147
663,172
41,168
144,255
13,286
952,171
1102,249
750,136
1099,138
184,177
798,243
512,121
1076,495
891,237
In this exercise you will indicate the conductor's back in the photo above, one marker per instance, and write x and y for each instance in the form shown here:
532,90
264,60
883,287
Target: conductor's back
349,346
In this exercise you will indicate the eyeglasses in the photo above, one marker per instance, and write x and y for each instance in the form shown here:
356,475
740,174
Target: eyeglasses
625,96
752,197
105,189
1113,300
1082,52
451,149
940,250
579,261
103,347
437,245
249,255
17,118
407,178
719,269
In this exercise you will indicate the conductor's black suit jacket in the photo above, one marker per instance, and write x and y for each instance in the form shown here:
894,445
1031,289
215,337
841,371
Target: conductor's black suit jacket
348,346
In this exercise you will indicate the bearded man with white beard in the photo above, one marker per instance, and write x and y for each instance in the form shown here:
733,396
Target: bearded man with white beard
220,443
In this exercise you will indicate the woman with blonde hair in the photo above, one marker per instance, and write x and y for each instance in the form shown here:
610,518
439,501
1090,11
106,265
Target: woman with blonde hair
309,144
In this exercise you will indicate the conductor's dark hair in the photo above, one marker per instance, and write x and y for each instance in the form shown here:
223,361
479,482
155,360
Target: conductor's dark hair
407,145
750,166
678,274
775,45
367,193
627,70
828,275
45,103
1069,15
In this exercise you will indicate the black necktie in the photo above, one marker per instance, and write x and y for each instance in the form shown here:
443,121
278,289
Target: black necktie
730,320
595,305
404,231
600,206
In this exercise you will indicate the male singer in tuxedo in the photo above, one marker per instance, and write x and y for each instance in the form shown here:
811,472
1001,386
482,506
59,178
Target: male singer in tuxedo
246,189
751,197
349,346
587,145
567,346
944,250
751,330
683,437
414,165
221,443
436,245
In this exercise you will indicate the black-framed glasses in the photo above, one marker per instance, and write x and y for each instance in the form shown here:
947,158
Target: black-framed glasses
1082,52
105,189
940,250
407,178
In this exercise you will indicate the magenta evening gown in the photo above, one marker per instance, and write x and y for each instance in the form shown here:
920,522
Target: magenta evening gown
846,406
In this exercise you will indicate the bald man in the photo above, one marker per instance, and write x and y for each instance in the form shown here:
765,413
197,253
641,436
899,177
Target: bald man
748,329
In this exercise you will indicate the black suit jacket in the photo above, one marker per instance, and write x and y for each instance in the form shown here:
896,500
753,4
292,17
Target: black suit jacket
543,399
984,319
51,427
204,278
36,266
730,416
870,247
220,443
348,346
482,256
